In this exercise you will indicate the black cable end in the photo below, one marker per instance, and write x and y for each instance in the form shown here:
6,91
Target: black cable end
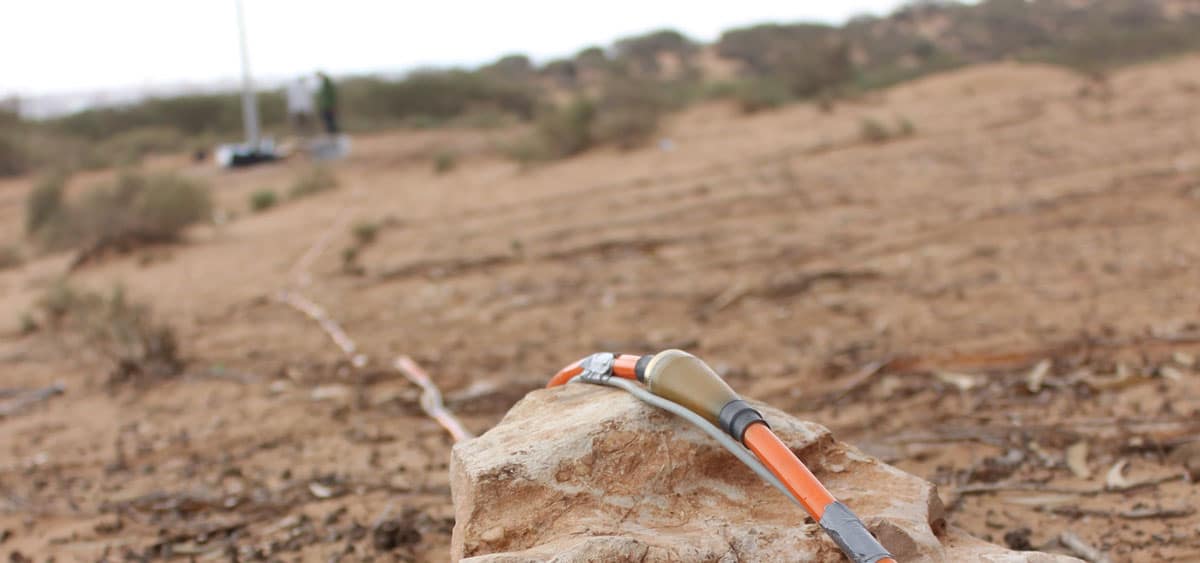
640,368
736,416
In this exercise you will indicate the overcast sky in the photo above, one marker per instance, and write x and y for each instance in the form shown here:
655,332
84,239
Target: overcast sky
59,46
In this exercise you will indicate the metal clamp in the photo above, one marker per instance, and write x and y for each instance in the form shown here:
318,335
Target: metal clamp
597,367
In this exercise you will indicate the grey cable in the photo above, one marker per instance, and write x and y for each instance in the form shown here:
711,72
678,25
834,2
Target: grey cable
738,450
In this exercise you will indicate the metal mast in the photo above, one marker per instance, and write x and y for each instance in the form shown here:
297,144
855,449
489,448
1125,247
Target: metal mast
249,102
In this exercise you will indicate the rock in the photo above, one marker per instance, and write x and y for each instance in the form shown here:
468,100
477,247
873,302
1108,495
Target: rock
583,473
330,393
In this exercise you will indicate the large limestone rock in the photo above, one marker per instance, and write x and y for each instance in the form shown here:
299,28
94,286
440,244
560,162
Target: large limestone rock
585,473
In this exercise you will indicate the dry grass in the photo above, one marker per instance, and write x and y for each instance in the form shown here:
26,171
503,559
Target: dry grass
139,347
133,210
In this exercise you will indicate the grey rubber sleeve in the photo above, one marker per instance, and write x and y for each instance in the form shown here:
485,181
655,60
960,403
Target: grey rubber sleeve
851,534
738,450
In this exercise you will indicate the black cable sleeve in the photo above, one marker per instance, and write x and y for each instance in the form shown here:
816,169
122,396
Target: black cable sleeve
736,416
640,367
850,534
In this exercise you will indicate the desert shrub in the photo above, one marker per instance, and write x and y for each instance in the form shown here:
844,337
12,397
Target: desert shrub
760,94
134,209
26,324
193,114
169,202
314,180
130,147
444,161
625,115
262,200
126,332
629,110
10,257
45,201
806,59
14,157
627,127
873,131
565,131
365,232
436,97
643,51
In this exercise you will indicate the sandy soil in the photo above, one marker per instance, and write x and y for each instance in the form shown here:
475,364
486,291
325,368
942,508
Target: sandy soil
900,293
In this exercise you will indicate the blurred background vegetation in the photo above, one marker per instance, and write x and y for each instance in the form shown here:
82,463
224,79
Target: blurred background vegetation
616,95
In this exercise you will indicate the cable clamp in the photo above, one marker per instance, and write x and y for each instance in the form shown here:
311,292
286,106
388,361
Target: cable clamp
597,367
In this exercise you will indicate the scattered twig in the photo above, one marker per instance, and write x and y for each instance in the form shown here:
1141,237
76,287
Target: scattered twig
861,379
24,399
1082,548
982,488
1144,513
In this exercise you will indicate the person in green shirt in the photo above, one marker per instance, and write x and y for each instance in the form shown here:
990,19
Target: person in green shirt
327,103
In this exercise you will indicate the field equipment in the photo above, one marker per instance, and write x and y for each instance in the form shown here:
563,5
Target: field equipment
682,384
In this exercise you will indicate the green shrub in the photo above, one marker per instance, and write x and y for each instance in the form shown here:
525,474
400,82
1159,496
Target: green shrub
315,180
130,147
169,202
262,200
139,347
873,131
14,157
760,94
26,324
444,161
134,209
45,201
10,257
905,127
365,232
629,111
565,131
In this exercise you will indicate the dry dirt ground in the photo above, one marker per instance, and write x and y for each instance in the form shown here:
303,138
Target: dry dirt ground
901,293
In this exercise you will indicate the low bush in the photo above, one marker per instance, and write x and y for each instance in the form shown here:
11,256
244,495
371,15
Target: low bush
126,332
14,158
629,111
365,232
262,200
444,161
10,257
755,95
872,130
45,202
564,131
134,209
313,181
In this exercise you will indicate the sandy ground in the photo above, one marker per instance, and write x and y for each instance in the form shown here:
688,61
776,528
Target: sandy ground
900,293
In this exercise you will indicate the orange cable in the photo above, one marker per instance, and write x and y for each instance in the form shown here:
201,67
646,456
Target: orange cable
780,460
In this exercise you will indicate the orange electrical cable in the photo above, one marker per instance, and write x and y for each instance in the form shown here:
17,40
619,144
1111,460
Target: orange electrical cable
780,460
565,374
784,464
625,366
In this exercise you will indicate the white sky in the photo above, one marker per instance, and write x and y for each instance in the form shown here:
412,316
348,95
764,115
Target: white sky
59,46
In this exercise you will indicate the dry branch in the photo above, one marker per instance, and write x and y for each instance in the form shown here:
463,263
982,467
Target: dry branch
24,399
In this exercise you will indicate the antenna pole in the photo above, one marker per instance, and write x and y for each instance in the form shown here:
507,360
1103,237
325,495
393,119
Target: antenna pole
249,103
